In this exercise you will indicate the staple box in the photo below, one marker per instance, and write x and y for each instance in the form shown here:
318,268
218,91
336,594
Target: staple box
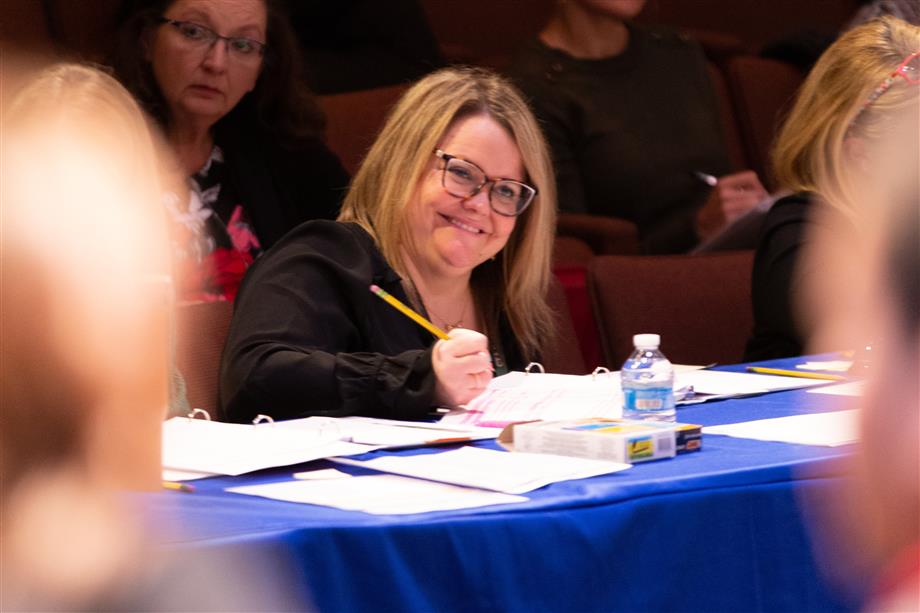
617,440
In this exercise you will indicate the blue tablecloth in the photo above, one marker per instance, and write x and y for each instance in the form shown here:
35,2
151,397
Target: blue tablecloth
719,530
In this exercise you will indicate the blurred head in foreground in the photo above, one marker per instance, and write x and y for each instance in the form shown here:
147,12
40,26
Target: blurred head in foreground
869,293
84,323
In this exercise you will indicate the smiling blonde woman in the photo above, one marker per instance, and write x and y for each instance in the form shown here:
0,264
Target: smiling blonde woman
452,212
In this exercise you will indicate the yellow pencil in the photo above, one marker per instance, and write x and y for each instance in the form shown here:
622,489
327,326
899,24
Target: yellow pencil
179,487
399,306
794,373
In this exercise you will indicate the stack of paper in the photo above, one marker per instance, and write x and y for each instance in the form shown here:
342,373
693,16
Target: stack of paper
213,447
389,433
500,471
518,397
824,429
379,494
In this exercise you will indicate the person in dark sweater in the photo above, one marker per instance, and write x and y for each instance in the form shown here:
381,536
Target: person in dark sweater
861,96
351,45
452,212
631,118
223,80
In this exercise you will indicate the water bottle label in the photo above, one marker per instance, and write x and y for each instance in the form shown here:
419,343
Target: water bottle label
648,400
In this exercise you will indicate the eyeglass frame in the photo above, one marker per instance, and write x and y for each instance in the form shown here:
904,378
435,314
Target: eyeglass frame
885,85
214,37
487,180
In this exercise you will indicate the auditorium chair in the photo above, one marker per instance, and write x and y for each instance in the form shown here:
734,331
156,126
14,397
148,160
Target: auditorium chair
699,304
563,353
353,120
605,235
201,330
762,91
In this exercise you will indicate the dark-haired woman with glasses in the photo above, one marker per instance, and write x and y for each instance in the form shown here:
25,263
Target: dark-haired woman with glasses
452,212
223,79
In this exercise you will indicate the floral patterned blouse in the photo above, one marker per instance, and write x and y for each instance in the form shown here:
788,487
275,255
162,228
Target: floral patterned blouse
213,241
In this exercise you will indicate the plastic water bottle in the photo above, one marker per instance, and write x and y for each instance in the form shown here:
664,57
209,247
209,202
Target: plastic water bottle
647,379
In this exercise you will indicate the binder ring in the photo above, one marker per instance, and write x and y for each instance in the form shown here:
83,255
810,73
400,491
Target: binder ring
202,412
600,370
262,419
534,365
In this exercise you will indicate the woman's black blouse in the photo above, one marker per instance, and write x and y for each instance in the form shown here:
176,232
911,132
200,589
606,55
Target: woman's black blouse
309,338
777,264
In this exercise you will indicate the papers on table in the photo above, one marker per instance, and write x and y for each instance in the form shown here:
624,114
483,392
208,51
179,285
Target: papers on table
827,365
193,449
233,449
390,433
379,494
714,384
853,388
517,396
501,471
824,429
524,397
170,474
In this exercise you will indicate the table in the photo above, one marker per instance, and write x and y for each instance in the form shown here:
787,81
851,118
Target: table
719,530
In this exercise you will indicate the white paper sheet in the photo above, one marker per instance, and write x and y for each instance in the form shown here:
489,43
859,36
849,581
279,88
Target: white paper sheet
170,474
500,471
233,449
722,383
827,365
823,429
517,396
389,433
853,388
379,494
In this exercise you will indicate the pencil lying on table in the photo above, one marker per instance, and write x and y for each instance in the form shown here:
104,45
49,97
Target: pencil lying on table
794,373
179,487
399,306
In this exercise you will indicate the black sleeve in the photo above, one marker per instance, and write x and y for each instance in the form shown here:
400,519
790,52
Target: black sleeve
776,271
308,337
316,182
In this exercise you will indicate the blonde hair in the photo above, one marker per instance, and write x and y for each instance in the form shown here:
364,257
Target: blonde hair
829,108
517,280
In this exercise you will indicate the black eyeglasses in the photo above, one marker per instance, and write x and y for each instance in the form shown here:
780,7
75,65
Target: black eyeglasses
199,36
465,179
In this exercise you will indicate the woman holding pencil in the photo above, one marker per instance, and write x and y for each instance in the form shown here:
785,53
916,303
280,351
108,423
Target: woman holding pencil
451,215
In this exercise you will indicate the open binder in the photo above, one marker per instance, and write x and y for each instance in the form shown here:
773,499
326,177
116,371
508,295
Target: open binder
533,394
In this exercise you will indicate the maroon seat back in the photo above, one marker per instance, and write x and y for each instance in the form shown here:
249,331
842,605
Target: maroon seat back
201,330
563,353
353,120
733,144
699,304
762,90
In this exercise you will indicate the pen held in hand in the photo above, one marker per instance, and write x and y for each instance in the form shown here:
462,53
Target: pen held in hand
708,179
402,308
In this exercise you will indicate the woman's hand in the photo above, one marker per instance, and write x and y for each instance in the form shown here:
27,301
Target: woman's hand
462,367
739,193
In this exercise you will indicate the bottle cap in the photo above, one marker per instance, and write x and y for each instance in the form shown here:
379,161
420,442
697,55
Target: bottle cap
646,341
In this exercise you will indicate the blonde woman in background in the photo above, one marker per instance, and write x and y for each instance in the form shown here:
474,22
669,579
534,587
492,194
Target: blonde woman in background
453,213
856,112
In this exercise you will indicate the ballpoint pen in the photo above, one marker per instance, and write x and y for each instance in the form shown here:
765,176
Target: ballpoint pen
708,179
